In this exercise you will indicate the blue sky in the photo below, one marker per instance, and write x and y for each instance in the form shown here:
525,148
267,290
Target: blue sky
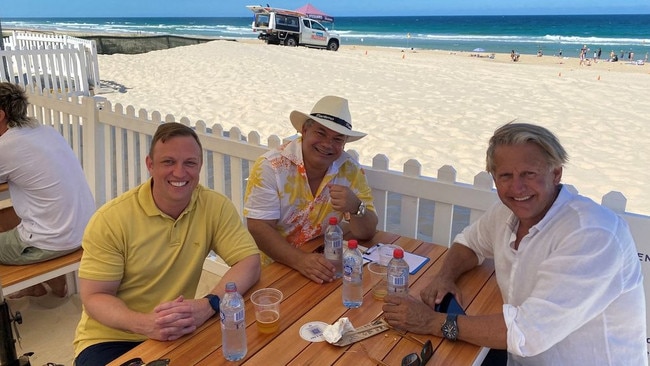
217,8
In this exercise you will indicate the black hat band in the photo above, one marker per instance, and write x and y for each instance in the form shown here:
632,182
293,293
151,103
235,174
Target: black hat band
334,119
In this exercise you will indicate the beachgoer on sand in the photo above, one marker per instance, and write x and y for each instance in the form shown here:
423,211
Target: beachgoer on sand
514,56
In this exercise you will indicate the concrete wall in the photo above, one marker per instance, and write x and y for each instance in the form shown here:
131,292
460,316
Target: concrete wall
108,45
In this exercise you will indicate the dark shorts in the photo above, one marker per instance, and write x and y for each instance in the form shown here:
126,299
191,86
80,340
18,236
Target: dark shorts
102,354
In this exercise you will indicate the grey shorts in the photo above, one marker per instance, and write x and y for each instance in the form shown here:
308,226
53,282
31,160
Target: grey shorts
14,251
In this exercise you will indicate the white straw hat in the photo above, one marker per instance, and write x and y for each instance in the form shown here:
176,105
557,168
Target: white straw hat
333,113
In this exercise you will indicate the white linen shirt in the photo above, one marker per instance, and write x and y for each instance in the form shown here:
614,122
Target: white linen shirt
47,186
573,291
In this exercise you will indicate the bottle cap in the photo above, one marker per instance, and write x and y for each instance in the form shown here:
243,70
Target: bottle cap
352,244
333,220
398,253
231,287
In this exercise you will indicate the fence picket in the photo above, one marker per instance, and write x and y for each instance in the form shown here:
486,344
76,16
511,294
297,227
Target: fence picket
86,51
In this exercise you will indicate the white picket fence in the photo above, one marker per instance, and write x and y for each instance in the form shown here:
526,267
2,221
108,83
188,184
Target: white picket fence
112,142
59,63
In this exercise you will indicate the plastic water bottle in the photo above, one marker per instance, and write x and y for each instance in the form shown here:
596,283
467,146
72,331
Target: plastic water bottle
352,276
334,246
398,274
233,324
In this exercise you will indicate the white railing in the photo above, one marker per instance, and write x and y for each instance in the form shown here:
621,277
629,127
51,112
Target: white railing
61,71
112,142
42,41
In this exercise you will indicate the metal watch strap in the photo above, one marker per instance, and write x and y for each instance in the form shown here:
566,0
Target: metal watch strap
361,210
450,327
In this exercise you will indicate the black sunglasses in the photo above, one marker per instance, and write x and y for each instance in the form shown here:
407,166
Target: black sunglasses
138,362
412,359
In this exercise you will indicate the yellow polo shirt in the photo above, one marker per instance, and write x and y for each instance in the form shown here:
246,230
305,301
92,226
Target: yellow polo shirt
155,257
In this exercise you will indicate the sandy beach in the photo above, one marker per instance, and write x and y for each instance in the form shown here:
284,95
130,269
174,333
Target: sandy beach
437,107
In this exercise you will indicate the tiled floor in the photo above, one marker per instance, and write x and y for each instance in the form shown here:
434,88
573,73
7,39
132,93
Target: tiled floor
49,324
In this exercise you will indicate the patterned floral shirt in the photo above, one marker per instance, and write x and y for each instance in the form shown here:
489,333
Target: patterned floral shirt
278,188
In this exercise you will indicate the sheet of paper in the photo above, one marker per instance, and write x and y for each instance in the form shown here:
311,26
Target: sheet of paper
415,261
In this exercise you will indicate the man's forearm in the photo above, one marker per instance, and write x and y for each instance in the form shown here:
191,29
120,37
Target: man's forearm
364,227
244,273
273,244
484,330
459,259
113,312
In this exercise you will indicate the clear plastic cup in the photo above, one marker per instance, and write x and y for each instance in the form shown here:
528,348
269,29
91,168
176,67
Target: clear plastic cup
378,273
267,309
386,253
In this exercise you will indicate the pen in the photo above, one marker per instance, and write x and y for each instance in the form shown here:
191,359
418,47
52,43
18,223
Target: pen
371,249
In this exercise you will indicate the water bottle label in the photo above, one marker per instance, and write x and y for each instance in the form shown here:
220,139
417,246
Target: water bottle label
337,244
236,317
398,281
239,316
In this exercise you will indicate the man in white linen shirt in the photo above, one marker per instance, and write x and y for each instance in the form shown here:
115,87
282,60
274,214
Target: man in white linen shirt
48,190
567,267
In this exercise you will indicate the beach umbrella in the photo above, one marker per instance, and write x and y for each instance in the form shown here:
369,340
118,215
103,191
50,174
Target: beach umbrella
315,13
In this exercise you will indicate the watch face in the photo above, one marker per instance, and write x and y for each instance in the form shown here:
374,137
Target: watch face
450,329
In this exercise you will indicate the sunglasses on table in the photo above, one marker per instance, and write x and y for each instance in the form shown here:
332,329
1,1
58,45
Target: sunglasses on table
138,362
412,359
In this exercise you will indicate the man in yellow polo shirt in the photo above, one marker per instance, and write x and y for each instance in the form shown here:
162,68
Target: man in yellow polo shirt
144,253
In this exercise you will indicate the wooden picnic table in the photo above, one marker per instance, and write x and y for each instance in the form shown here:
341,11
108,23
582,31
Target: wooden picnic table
305,301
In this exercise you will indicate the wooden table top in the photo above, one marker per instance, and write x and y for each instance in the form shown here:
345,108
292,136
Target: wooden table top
305,301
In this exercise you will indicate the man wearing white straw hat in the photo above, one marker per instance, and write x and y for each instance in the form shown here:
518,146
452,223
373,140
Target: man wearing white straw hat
293,190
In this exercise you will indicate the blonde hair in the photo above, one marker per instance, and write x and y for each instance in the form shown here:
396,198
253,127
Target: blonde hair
521,133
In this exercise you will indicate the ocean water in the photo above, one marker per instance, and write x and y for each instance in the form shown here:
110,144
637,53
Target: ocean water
525,34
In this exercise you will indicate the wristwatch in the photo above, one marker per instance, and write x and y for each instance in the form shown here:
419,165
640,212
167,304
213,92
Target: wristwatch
361,210
450,327
214,302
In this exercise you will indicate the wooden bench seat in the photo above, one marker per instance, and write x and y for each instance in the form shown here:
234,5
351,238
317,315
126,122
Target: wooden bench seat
16,278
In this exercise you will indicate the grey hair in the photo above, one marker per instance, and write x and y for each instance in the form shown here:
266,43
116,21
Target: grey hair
520,133
13,101
308,123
